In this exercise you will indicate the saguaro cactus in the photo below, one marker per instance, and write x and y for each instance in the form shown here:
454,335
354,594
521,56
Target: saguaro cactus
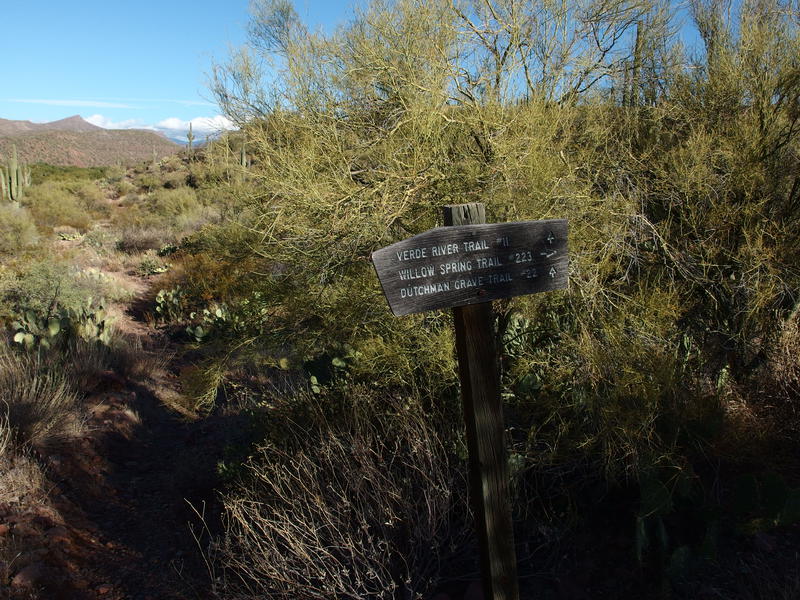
190,137
13,167
14,178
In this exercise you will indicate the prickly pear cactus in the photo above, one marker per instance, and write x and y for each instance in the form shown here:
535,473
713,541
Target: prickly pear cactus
89,322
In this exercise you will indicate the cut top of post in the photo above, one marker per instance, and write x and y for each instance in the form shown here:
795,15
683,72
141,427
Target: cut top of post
473,213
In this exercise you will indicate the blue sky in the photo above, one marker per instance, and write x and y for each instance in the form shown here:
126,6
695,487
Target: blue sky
124,64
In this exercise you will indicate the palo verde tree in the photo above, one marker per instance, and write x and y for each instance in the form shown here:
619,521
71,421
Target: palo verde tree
676,167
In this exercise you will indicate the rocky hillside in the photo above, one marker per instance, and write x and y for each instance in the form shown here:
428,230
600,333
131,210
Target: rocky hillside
73,123
74,141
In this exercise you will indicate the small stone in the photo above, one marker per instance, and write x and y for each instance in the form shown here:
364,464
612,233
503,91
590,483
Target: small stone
25,530
104,589
765,542
4,529
474,591
57,534
29,577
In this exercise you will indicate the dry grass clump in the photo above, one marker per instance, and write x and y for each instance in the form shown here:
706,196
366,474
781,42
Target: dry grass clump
137,239
21,478
760,575
124,356
40,404
351,497
785,360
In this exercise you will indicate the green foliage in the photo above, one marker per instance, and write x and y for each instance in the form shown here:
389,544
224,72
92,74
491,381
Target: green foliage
214,319
42,286
173,203
147,182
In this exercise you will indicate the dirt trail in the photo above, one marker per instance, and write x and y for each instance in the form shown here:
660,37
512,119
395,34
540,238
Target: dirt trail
124,495
122,515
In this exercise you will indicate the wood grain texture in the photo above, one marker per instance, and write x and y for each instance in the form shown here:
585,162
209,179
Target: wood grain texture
472,263
483,414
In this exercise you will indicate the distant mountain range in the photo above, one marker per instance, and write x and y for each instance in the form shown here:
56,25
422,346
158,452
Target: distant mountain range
74,141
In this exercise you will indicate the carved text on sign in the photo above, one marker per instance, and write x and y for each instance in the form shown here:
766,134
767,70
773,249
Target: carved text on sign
456,266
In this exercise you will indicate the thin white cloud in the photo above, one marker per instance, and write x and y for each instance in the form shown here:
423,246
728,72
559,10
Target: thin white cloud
202,125
76,103
107,123
162,101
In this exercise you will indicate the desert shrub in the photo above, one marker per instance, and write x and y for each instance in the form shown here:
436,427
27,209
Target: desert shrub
99,240
173,202
41,172
147,182
676,274
350,496
44,285
54,203
114,173
17,230
89,192
123,187
22,484
39,402
139,239
87,362
174,180
151,265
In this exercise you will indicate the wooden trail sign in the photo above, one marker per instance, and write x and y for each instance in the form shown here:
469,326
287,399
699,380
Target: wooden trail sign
466,265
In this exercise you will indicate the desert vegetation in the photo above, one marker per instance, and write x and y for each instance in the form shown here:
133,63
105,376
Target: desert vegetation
651,418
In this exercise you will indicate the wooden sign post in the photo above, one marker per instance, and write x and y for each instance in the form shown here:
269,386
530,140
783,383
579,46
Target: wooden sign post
466,265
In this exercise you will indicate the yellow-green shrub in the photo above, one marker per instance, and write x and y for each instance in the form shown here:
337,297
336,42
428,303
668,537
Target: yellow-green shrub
17,230
55,203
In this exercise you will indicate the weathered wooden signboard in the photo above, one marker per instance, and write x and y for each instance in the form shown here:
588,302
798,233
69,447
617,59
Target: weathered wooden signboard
467,264
464,266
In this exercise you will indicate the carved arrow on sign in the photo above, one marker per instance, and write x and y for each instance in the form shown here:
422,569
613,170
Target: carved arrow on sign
468,264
